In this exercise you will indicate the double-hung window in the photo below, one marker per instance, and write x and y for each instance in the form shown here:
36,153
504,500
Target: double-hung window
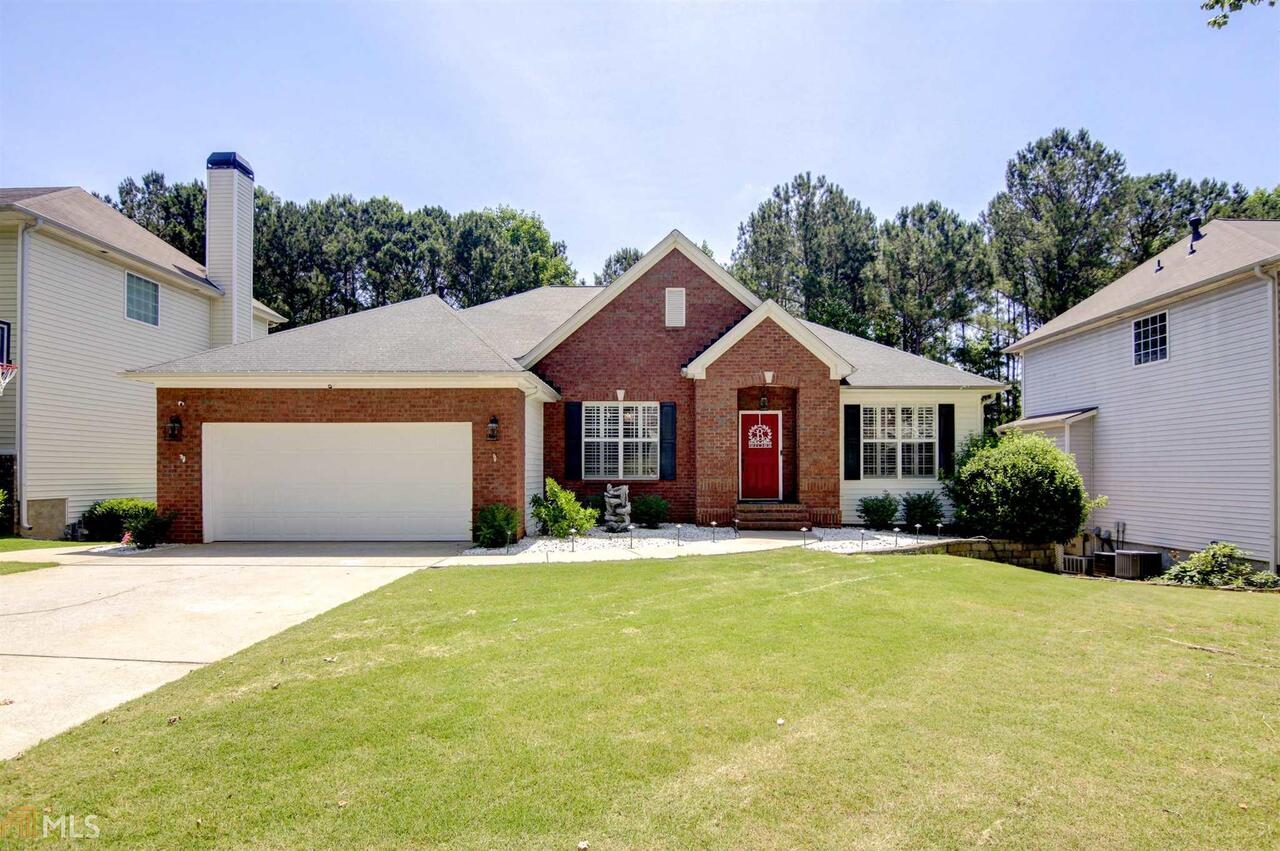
900,441
620,440
141,299
1151,339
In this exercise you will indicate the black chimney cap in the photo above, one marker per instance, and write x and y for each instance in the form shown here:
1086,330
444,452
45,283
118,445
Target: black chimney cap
1195,221
230,159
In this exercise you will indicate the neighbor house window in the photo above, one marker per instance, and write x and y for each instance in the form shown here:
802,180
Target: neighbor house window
1151,339
620,440
899,441
141,299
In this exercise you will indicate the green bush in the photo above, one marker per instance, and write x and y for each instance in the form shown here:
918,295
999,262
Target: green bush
922,509
149,528
595,502
496,525
107,519
878,512
1022,488
650,510
1218,565
559,511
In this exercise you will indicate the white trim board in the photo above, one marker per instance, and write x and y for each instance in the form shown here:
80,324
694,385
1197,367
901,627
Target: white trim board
526,381
838,366
674,241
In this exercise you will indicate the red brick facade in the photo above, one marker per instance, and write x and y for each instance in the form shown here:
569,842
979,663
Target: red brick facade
814,433
627,346
497,466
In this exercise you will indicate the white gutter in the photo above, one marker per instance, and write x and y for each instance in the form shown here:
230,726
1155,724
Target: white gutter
20,480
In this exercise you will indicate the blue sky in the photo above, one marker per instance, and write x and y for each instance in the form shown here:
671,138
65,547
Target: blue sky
618,122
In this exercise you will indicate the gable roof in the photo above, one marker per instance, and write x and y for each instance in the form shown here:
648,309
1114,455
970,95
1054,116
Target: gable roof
674,241
517,323
1227,248
72,209
880,366
839,367
422,335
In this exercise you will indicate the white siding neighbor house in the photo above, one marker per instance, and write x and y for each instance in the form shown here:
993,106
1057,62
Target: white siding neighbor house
85,294
1164,387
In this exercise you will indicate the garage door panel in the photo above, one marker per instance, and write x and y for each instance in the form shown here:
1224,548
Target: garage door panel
337,481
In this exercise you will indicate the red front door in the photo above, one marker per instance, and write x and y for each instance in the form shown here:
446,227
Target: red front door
760,448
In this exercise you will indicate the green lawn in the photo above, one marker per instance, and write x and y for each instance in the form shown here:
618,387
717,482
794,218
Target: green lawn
929,701
12,543
7,567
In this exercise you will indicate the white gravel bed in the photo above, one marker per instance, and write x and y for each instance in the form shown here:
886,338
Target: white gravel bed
599,539
122,549
854,539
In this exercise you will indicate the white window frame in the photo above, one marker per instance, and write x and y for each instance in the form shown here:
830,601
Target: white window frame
899,438
1163,316
641,408
679,294
127,276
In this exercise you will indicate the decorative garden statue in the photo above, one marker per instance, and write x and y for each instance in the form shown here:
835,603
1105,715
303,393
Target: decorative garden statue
617,508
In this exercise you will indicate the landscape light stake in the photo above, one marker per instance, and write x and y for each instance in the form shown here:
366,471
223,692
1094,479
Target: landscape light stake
895,537
508,549
573,540
713,531
863,534
631,530
737,533
678,527
917,533
939,530
804,540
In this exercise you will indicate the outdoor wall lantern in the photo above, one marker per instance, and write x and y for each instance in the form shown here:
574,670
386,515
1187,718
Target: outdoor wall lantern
173,431
764,401
491,430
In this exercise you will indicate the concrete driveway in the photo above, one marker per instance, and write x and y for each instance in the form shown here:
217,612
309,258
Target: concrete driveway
97,630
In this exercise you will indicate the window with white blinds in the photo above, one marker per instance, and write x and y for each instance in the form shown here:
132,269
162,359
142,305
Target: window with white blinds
620,440
900,441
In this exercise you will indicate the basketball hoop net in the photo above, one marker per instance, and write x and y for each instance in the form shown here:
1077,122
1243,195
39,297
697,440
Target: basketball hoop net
7,372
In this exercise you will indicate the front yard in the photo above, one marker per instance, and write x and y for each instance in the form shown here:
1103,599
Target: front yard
779,699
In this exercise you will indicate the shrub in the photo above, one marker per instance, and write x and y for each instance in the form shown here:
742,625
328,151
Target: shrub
496,525
107,519
923,509
1021,487
149,528
878,512
595,502
559,511
650,510
1218,565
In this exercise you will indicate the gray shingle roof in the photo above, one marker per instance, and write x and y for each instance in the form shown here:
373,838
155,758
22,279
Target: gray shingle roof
73,208
422,335
518,323
1228,246
876,365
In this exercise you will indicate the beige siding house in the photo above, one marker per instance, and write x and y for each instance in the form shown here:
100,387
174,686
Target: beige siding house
88,294
1164,387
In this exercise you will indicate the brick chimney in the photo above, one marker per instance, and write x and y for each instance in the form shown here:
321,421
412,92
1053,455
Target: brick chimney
228,246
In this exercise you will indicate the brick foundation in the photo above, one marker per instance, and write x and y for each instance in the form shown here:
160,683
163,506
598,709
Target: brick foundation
494,479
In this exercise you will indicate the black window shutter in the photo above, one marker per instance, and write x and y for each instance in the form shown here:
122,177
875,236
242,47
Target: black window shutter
667,441
852,442
573,440
946,439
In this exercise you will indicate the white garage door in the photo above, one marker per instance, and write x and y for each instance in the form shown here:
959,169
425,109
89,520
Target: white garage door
337,481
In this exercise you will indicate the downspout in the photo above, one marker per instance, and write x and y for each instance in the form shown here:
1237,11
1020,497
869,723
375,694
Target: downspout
21,403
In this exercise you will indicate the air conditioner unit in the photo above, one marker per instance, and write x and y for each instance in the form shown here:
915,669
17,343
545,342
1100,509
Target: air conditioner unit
1137,564
1077,565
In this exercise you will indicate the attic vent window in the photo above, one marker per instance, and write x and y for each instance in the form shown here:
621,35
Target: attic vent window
675,307
1151,339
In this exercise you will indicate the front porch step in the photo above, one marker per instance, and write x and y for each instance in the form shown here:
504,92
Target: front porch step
772,516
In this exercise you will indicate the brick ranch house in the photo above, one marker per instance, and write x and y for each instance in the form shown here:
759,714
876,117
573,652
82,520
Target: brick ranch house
399,423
